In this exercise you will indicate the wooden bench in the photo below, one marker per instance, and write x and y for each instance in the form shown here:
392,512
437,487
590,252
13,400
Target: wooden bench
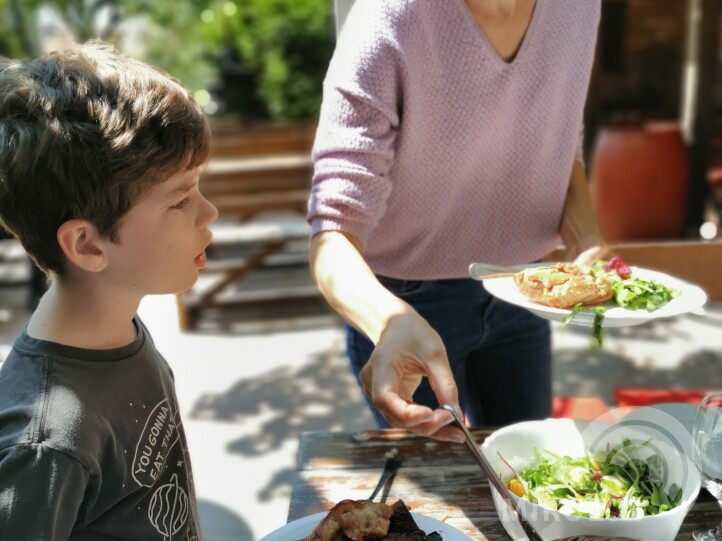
259,181
241,188
233,141
15,265
268,249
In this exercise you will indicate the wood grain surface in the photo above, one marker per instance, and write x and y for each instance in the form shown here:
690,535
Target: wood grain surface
437,479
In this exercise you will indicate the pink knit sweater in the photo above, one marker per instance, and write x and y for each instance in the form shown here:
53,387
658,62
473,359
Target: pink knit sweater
435,152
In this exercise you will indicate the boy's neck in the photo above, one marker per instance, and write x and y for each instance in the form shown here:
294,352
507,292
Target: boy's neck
85,317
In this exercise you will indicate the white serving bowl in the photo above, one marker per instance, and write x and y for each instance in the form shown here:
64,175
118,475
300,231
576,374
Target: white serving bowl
568,437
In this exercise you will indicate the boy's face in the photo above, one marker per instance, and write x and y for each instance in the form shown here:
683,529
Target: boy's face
162,239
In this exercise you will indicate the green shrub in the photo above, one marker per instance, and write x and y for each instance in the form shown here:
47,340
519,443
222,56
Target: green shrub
285,44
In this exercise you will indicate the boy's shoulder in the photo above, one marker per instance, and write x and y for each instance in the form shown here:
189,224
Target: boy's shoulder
72,400
92,428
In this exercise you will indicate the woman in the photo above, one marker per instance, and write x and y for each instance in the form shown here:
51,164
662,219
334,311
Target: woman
450,132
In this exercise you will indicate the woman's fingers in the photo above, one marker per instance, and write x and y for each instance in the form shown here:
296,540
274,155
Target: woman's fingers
423,420
441,427
391,388
590,255
442,381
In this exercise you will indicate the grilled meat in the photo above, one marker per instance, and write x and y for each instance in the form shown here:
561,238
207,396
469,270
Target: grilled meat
351,520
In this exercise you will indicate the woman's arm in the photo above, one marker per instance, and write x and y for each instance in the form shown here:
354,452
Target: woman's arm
579,228
353,153
407,348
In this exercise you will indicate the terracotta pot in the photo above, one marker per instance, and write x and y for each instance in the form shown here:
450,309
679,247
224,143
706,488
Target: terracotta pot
639,181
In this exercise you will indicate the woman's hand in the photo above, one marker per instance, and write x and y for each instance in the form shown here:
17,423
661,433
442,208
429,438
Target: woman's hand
590,255
409,349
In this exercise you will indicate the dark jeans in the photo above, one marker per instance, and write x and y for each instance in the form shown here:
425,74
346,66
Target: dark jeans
500,354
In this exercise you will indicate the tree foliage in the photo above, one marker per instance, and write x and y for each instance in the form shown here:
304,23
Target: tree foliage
285,44
259,58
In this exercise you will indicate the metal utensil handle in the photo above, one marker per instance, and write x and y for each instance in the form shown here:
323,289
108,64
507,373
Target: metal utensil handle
529,530
491,275
482,271
390,468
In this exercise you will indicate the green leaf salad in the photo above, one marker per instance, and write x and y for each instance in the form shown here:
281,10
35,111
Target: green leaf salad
630,292
617,484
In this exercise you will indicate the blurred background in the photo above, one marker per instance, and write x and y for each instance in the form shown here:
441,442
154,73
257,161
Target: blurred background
253,59
258,355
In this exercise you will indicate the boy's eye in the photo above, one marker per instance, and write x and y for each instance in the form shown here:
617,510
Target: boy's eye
180,204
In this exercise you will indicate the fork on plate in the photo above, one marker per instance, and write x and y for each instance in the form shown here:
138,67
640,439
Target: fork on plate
393,463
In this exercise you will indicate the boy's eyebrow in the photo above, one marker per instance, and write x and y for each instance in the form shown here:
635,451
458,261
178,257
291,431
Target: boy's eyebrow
187,187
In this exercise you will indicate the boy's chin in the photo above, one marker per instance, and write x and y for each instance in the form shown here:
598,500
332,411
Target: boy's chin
177,288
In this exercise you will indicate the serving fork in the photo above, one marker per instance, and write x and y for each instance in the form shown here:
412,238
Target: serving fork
491,475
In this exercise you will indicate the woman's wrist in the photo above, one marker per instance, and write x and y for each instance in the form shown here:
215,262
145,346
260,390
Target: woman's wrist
394,312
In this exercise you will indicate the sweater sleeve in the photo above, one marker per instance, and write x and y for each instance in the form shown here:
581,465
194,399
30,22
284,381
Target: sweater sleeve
354,147
41,493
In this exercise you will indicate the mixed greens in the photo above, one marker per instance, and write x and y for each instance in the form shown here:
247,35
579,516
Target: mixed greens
629,292
626,482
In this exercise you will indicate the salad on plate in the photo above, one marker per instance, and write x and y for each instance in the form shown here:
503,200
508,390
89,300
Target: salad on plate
593,289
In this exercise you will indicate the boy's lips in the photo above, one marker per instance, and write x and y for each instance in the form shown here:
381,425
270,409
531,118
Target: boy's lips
200,259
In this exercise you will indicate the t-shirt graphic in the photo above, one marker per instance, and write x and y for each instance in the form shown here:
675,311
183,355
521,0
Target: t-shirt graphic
169,505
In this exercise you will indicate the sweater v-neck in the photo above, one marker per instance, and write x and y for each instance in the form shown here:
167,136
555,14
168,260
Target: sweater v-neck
486,45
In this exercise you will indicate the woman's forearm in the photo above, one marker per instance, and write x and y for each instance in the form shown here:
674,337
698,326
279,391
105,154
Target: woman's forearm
579,228
349,285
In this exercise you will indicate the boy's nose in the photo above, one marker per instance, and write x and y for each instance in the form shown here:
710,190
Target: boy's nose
210,212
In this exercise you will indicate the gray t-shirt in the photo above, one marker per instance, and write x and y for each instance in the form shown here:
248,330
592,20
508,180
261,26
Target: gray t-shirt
92,446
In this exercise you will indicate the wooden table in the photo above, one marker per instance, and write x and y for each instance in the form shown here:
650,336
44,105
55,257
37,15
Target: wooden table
436,479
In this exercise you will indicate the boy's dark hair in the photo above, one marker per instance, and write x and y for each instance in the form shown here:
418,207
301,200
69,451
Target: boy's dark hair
83,134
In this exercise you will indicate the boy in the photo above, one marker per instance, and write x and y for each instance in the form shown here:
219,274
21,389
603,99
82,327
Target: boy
99,165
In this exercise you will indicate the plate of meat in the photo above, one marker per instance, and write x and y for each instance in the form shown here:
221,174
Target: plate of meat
609,294
350,519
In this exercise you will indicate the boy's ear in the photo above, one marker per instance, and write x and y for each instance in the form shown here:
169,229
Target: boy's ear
82,245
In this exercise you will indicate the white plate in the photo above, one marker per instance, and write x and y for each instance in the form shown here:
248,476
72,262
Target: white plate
691,298
298,529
